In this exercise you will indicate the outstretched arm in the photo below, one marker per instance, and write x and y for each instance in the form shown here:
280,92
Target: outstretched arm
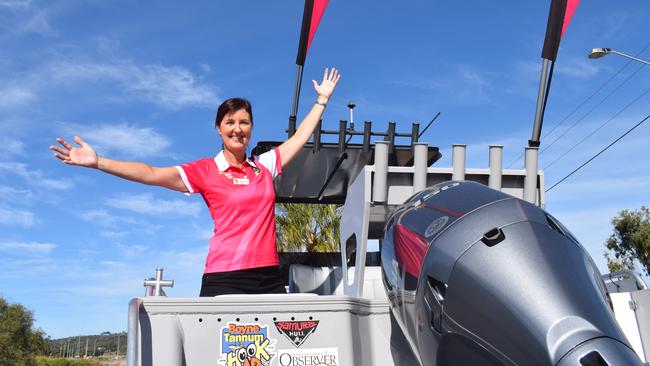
85,156
290,148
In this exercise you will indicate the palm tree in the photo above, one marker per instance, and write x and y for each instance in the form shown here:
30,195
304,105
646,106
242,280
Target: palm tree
307,227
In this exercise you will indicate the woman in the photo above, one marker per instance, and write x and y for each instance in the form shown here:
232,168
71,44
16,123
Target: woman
238,190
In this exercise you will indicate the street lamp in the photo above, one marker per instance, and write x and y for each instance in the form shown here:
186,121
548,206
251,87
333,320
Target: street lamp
600,52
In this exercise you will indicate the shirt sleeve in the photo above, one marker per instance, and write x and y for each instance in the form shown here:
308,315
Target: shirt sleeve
193,175
271,161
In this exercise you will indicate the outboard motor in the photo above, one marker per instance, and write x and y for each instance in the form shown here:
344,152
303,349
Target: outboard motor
477,277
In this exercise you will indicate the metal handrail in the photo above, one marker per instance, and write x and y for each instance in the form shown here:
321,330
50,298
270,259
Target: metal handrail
640,284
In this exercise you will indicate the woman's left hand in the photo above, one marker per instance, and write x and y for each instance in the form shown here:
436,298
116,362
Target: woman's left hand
327,86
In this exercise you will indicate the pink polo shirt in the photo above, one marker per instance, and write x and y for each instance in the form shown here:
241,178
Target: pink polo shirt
242,205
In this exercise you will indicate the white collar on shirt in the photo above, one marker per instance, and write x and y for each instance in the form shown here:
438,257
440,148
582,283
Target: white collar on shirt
222,164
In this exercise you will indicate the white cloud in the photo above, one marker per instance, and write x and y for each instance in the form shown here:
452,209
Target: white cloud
101,217
117,226
14,194
15,3
37,23
528,69
19,267
15,217
113,234
131,251
171,87
461,85
202,232
123,139
118,80
473,86
473,77
25,18
16,96
147,205
32,248
98,216
577,68
186,260
11,147
113,264
206,68
34,177
89,252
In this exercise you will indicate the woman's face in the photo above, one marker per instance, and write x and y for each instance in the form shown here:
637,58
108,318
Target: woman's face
235,130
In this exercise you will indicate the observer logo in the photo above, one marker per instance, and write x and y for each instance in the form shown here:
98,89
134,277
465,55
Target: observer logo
309,357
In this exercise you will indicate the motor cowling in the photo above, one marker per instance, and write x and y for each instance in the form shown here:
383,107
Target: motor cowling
477,277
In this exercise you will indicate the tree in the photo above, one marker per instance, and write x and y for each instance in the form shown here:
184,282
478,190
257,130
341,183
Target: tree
19,341
307,227
630,241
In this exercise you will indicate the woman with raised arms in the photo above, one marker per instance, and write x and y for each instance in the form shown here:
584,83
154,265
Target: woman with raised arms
238,189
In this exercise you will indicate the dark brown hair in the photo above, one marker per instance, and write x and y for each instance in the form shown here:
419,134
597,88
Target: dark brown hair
232,105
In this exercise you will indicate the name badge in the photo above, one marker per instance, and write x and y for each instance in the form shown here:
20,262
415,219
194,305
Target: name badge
240,181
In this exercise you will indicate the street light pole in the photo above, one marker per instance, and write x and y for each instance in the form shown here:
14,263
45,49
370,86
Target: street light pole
601,52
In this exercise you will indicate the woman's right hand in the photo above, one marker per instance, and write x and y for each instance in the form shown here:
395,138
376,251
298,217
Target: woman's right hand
84,155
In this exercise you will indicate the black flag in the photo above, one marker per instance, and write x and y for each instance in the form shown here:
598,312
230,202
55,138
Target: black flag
311,17
559,17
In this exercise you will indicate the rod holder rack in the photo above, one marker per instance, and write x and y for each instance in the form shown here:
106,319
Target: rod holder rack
344,134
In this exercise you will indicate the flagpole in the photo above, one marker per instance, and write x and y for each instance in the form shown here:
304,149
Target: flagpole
296,97
557,21
311,16
531,162
539,111
303,45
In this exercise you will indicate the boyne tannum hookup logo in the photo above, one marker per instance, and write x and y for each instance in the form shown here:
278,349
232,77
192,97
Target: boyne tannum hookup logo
246,345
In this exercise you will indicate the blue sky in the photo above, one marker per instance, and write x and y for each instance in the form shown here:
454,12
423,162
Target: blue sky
141,81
